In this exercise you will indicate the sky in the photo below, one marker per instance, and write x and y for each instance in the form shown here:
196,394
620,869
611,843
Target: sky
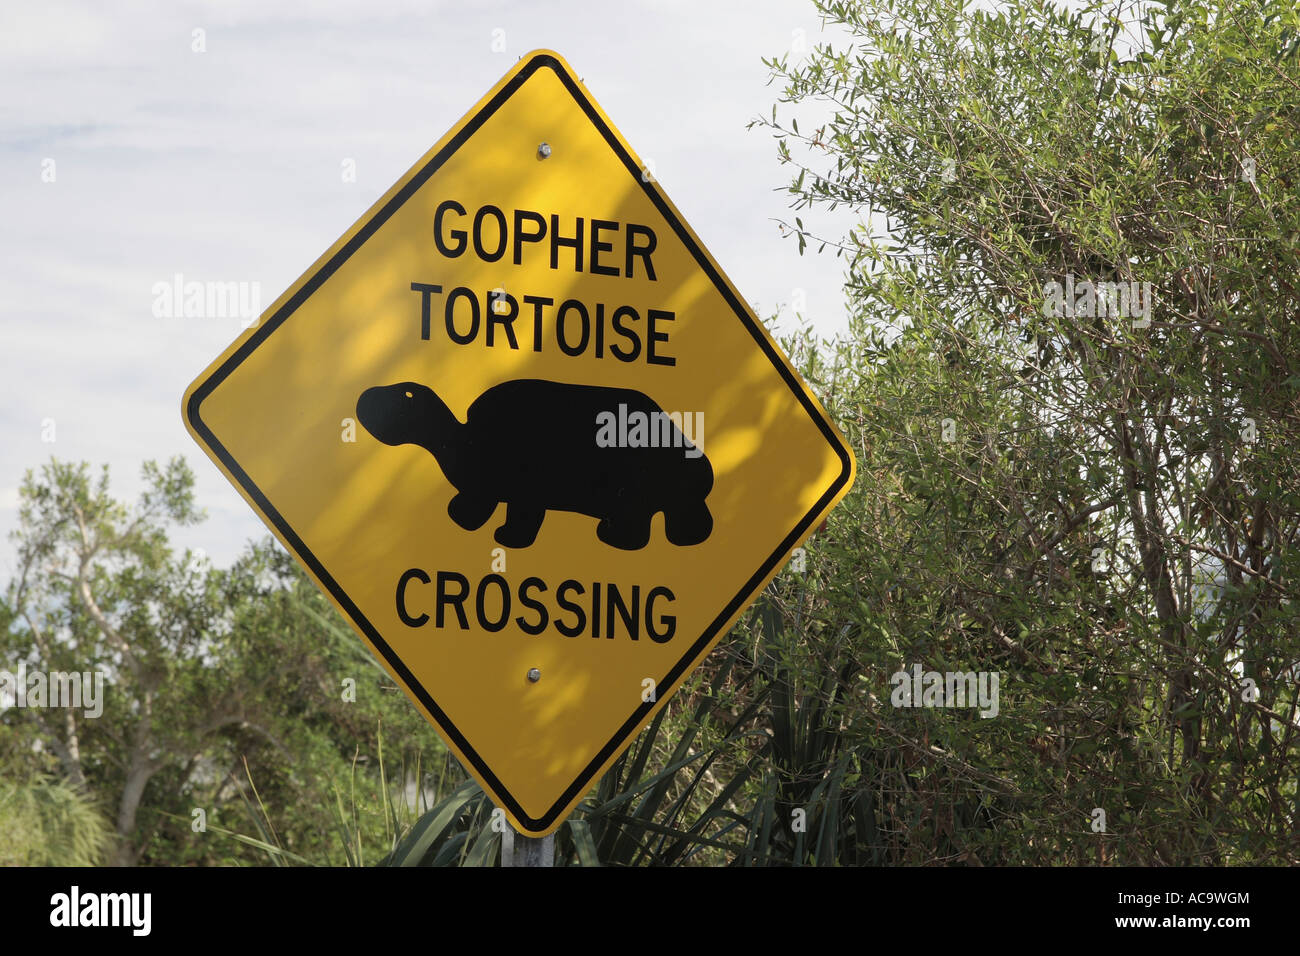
134,149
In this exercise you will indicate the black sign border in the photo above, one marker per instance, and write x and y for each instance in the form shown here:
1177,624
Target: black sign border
691,659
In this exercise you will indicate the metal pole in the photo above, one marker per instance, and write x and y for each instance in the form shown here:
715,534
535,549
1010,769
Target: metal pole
520,850
516,848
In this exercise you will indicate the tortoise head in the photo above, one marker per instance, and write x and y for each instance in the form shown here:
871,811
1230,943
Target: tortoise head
401,414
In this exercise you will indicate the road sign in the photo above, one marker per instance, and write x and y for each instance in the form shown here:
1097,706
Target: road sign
528,438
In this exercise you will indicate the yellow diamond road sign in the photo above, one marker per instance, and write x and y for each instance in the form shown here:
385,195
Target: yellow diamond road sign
528,438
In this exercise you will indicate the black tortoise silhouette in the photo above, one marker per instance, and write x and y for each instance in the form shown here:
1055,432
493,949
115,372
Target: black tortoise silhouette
532,444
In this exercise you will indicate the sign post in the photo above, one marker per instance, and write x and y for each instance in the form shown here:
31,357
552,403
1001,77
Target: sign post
528,438
518,849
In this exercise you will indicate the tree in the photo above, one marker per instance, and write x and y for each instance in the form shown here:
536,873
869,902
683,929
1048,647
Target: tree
1071,377
211,676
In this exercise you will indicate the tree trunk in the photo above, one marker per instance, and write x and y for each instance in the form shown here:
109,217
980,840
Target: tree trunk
127,853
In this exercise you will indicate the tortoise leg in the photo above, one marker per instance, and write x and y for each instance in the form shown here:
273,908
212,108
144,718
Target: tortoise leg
629,531
523,521
469,512
685,525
